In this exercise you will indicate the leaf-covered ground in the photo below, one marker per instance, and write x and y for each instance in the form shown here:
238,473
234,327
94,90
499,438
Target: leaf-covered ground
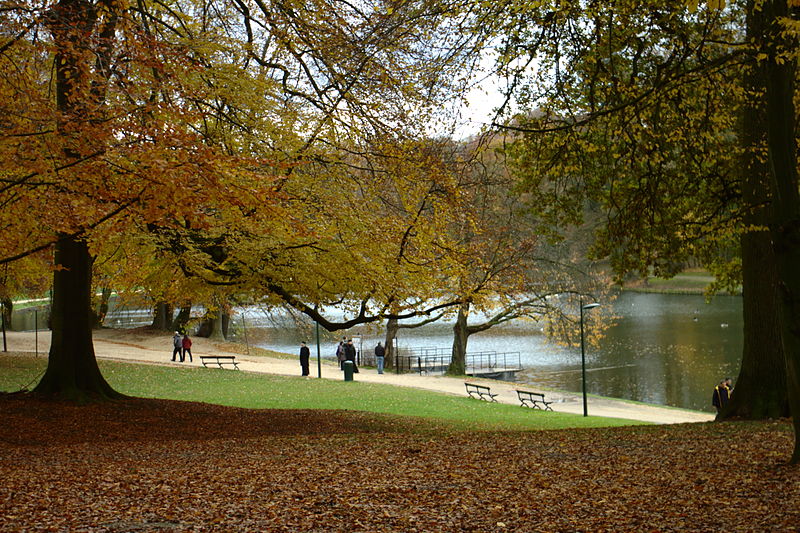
151,465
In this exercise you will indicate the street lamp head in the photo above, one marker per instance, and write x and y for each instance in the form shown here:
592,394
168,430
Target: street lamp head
591,306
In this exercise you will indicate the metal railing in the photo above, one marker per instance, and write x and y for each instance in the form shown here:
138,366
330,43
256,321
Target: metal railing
435,361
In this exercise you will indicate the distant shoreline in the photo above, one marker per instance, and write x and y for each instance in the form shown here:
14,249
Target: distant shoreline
689,282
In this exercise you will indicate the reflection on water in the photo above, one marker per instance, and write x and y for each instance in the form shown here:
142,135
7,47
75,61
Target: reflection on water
670,349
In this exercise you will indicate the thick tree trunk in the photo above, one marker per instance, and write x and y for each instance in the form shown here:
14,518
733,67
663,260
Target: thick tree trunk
162,317
226,323
392,327
185,313
761,386
216,329
458,362
216,323
785,229
760,391
72,371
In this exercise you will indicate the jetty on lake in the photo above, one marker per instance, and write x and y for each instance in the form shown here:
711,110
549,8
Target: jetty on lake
487,364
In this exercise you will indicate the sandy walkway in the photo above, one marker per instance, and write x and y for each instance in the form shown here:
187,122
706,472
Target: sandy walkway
137,346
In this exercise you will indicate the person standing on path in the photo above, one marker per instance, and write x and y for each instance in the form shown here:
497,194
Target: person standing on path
340,354
305,353
380,353
350,354
187,348
177,346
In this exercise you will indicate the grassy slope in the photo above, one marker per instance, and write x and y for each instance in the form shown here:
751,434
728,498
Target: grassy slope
262,391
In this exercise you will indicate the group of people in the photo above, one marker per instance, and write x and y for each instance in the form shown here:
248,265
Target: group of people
345,351
722,393
181,347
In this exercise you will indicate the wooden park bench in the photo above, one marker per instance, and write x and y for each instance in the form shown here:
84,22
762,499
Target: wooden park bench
220,360
534,400
480,392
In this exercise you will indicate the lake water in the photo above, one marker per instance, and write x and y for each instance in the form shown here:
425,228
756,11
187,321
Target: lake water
663,349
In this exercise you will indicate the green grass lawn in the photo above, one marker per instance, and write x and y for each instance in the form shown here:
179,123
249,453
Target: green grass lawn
264,391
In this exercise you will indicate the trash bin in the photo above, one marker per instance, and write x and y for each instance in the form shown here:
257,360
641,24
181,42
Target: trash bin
348,370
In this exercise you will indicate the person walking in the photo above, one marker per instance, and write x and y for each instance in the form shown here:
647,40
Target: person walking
380,353
186,343
177,346
350,354
305,354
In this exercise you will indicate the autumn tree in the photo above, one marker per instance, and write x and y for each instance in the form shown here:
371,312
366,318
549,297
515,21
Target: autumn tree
509,262
652,119
192,127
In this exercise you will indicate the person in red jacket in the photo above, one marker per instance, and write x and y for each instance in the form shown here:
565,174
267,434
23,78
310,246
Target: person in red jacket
187,348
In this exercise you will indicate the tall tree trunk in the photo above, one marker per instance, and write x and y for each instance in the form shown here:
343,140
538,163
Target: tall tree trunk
216,329
226,322
72,371
761,386
162,317
392,327
458,362
183,317
760,391
785,229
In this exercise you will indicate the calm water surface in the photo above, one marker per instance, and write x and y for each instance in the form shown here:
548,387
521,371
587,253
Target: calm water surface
664,349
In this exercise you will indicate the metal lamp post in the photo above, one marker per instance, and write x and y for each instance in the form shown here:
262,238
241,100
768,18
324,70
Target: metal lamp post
319,360
583,356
